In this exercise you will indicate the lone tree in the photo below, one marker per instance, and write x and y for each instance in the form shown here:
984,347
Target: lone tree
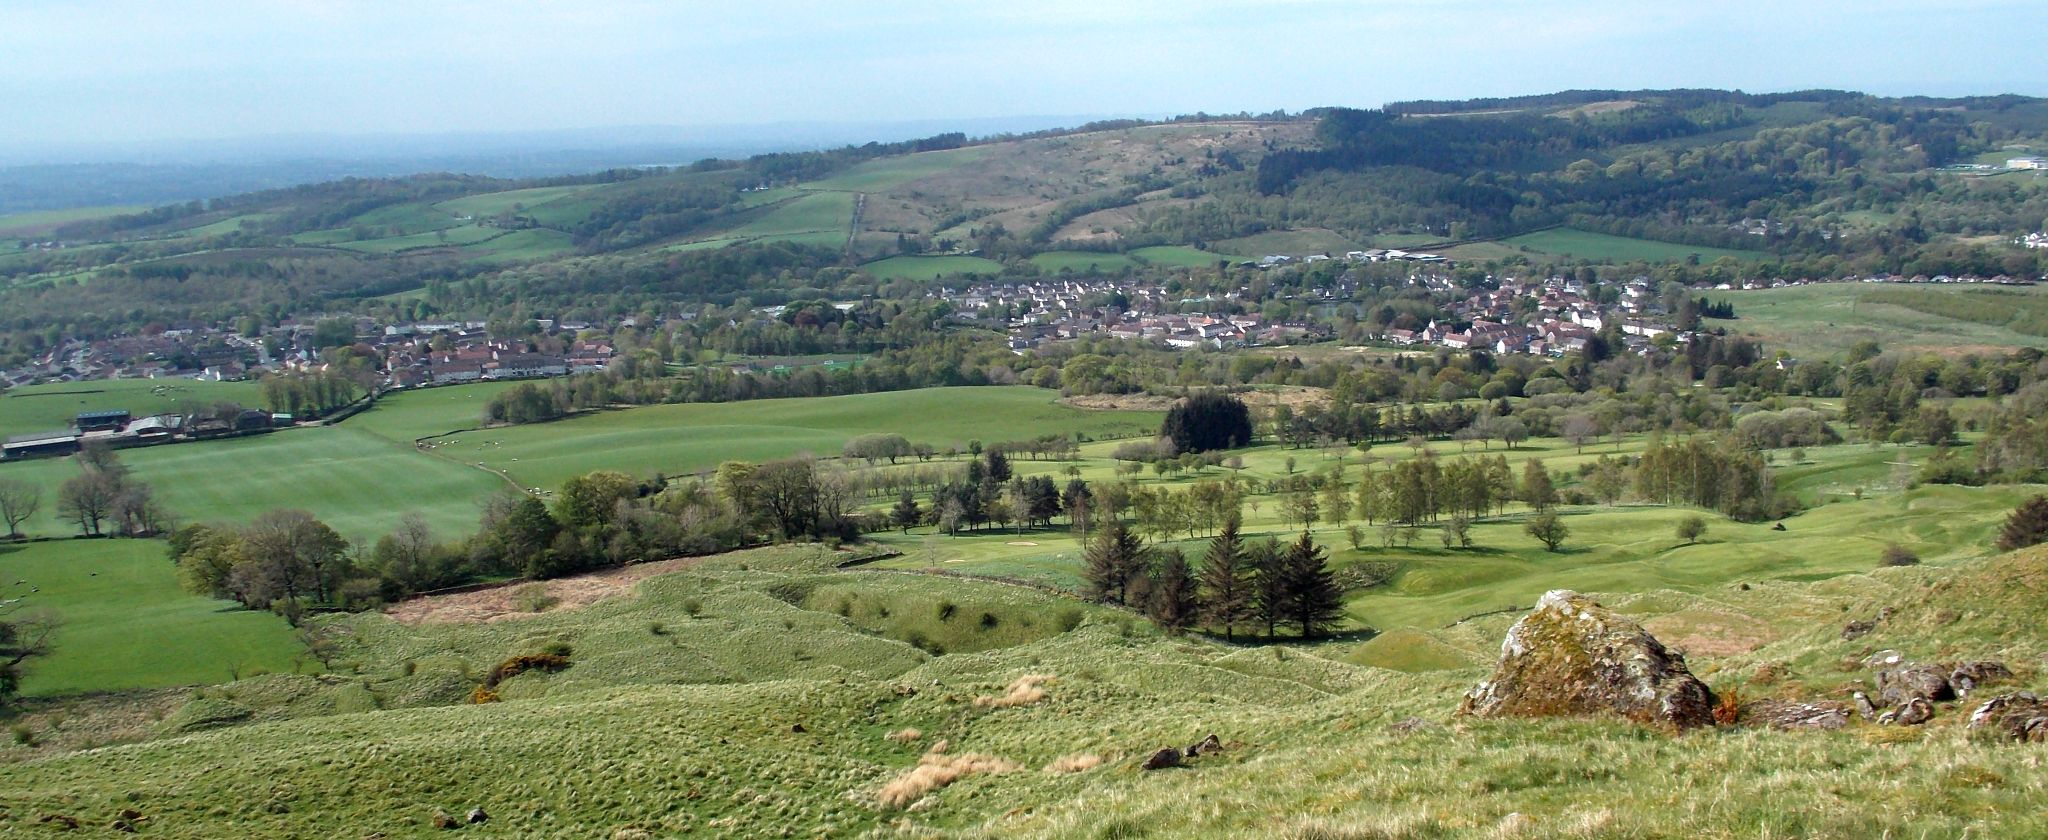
1548,529
1691,529
906,513
1208,420
19,501
23,636
2028,525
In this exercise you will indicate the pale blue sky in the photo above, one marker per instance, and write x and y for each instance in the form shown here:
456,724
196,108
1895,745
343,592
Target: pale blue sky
141,70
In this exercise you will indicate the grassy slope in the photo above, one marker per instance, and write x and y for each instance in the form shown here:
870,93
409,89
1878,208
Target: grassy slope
888,173
42,408
42,222
127,626
1827,318
610,746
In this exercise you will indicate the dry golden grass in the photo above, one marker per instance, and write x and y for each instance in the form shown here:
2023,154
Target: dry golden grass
1028,689
1075,763
935,771
904,736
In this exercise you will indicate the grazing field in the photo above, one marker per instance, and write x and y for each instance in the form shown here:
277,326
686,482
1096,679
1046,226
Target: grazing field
520,246
929,268
1081,262
1295,243
1587,245
492,204
43,222
441,238
43,408
679,439
889,173
126,625
406,219
1827,318
1181,255
358,483
406,416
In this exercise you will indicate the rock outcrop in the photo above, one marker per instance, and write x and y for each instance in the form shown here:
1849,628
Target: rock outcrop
1789,714
2013,717
1571,656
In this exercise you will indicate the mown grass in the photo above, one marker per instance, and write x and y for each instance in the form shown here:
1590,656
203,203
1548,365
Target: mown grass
126,625
43,408
929,268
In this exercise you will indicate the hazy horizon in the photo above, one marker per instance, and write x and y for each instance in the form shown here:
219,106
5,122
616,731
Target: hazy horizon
107,73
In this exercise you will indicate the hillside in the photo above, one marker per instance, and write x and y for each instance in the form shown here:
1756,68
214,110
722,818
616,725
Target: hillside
637,735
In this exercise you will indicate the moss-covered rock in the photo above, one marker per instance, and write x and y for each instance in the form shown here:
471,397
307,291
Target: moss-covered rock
1572,656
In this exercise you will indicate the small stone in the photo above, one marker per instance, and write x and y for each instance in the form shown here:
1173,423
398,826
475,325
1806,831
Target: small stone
1206,745
477,815
798,728
443,821
1914,712
1163,759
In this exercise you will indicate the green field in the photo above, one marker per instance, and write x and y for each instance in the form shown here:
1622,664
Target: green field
449,237
520,246
1181,255
127,626
889,173
1295,243
42,222
929,268
680,439
1083,262
492,204
43,408
406,416
357,482
1586,245
1828,318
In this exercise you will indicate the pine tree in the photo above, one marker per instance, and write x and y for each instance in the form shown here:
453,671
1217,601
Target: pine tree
2028,525
1113,558
1173,602
1227,581
1312,597
906,512
1269,585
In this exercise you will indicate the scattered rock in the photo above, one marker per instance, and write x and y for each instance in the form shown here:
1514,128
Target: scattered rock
1572,656
1162,759
2013,717
122,826
1883,658
60,821
477,816
443,821
1864,708
1909,681
1789,714
1410,726
1858,629
1965,677
1910,713
130,814
797,728
1206,745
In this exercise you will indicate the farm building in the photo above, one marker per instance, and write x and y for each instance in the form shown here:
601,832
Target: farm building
102,421
47,443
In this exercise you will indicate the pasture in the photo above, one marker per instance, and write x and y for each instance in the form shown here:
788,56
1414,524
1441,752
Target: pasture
509,201
1601,247
1181,255
43,408
890,173
1828,318
1081,262
126,625
1295,243
685,438
929,268
43,222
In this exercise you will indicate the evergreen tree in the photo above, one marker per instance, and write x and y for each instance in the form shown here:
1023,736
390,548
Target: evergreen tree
1206,421
1113,559
2028,525
1269,585
906,512
1313,599
1227,581
1173,602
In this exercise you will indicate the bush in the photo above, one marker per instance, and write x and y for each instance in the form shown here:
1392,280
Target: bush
2028,525
533,598
1899,555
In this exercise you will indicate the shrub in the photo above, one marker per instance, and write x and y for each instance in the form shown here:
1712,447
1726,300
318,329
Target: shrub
549,662
1899,555
1692,528
1728,709
2028,525
533,598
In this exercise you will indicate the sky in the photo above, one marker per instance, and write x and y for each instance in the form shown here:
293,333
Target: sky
145,71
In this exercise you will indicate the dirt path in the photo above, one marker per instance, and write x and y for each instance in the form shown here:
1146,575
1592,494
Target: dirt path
498,603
